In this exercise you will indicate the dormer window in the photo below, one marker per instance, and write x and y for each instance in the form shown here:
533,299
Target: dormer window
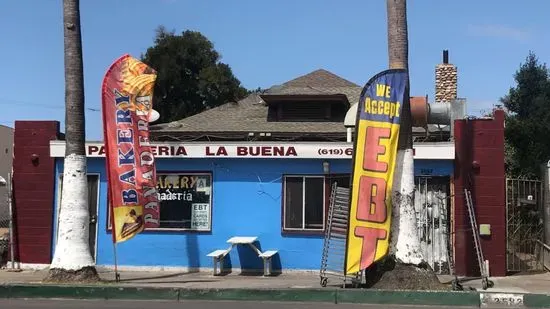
306,108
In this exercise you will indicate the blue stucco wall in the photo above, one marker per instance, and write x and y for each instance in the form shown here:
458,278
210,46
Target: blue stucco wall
246,201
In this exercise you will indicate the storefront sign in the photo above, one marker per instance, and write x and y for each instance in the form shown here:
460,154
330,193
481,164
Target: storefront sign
378,122
255,150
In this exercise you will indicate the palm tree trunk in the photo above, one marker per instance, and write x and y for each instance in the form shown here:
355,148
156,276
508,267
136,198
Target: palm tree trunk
72,259
405,244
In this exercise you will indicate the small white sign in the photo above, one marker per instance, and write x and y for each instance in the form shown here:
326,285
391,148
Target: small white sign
202,185
200,216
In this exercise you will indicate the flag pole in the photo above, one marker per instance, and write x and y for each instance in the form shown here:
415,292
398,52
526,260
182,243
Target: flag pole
113,230
117,275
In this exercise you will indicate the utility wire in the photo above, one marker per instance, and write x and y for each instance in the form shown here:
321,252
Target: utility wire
6,101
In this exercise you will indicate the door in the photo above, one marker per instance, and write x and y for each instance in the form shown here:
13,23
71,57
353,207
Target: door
524,225
93,195
433,217
93,192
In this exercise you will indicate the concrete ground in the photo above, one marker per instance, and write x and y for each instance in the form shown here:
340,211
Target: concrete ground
531,283
537,283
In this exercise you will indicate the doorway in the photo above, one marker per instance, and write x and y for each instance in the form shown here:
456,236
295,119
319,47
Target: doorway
93,198
433,220
524,225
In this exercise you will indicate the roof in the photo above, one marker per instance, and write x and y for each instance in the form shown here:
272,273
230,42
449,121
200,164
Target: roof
250,113
235,120
320,78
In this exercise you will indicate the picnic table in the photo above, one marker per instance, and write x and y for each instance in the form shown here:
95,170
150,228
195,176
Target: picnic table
218,255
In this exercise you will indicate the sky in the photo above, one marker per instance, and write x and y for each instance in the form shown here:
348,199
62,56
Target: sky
267,43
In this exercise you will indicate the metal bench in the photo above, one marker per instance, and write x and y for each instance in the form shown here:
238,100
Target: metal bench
217,257
267,258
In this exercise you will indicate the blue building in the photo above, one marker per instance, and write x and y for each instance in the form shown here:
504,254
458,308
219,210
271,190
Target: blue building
261,167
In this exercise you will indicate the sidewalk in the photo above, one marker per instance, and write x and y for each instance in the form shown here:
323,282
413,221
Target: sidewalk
292,286
531,283
526,284
172,279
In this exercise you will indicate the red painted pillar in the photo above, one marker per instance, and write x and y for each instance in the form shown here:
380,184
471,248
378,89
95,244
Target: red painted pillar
463,237
480,167
33,190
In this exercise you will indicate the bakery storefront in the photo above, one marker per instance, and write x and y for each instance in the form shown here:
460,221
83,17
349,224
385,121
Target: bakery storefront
212,191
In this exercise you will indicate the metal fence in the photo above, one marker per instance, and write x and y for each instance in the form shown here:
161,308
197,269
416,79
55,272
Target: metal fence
524,224
6,243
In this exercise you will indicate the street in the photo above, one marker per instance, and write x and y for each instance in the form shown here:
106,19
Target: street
113,304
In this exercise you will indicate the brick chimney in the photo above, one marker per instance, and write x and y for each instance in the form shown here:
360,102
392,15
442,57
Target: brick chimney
445,80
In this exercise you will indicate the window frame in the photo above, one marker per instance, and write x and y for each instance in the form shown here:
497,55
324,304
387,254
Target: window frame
186,230
327,185
303,229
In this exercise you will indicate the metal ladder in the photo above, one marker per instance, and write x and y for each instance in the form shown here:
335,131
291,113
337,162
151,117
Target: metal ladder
334,246
486,283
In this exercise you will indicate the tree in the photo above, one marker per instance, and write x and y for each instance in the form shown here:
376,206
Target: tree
190,77
405,241
72,260
404,267
528,115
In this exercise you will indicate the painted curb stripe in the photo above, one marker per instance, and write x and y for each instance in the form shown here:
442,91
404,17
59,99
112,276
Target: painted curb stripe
409,297
472,299
536,300
294,295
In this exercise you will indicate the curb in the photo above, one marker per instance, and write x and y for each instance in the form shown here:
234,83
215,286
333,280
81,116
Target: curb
536,300
325,295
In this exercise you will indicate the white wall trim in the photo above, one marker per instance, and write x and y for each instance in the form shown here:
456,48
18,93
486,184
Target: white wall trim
30,266
130,268
191,269
258,150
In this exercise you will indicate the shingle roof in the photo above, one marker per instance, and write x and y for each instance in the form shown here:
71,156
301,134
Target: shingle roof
320,78
250,113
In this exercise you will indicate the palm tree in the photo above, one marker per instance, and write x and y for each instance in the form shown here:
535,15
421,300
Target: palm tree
72,259
405,245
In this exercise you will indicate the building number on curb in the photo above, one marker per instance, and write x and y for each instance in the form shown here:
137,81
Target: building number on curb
502,299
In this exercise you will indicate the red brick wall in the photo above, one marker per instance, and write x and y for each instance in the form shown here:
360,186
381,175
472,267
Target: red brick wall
33,190
479,167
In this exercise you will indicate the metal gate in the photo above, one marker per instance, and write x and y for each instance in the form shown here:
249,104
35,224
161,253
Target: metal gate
524,224
6,231
432,215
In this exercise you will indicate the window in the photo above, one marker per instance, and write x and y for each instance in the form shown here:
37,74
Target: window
342,180
185,201
304,203
316,110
